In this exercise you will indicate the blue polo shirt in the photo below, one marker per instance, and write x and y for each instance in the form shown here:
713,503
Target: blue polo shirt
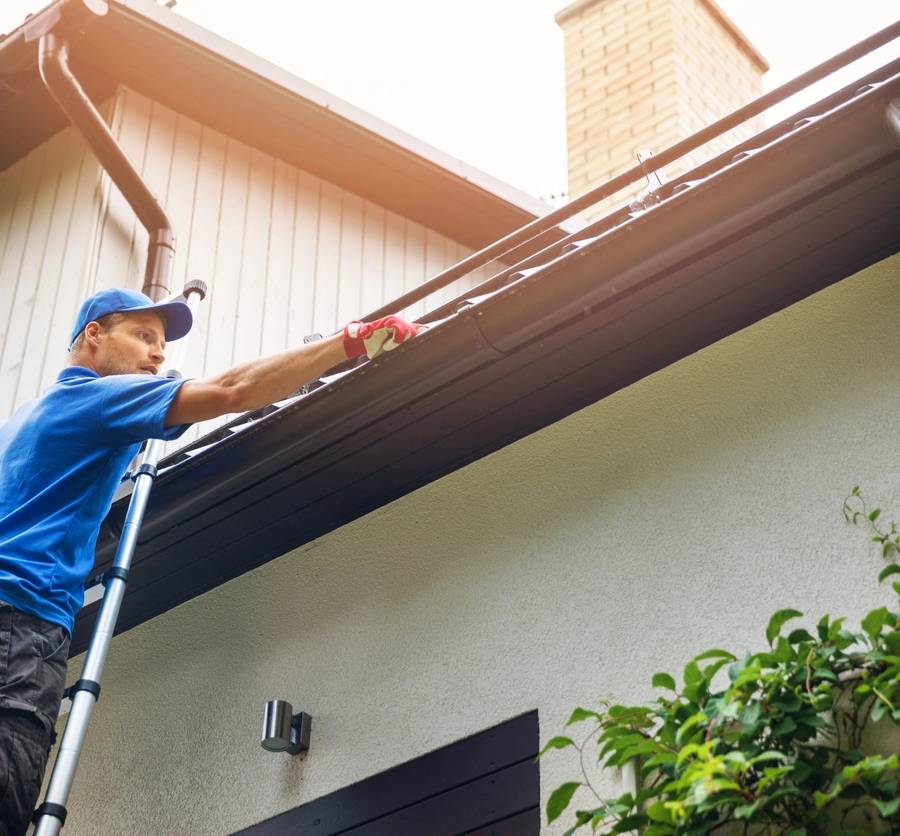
61,458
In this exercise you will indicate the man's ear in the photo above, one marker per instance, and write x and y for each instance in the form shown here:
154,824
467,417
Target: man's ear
92,331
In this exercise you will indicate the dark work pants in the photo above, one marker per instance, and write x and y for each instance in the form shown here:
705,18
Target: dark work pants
33,656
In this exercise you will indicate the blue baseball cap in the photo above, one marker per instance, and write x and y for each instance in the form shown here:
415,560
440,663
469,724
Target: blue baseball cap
177,314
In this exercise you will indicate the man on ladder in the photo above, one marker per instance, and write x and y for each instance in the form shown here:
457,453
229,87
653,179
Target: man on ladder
62,457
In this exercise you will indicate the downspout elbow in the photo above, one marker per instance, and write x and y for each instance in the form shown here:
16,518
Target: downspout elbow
59,80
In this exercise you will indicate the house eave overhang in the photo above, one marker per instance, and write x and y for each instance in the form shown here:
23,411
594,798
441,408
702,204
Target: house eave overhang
149,48
732,242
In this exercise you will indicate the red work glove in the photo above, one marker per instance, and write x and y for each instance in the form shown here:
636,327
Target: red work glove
371,338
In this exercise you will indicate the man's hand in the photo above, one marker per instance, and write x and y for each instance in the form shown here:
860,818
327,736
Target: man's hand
372,338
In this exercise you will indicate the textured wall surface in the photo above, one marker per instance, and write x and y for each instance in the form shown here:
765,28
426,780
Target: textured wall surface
646,74
275,244
676,515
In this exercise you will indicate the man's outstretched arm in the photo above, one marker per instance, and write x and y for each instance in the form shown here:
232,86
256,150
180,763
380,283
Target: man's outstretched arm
254,384
260,382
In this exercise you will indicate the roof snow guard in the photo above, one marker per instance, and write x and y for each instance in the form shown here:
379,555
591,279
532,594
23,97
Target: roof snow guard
796,208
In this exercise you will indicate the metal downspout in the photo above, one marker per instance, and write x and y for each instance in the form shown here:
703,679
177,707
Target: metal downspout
53,62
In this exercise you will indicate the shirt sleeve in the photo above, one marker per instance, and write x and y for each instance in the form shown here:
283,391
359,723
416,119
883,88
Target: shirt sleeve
134,406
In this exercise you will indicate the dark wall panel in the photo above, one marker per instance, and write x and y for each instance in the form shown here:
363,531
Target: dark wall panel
487,784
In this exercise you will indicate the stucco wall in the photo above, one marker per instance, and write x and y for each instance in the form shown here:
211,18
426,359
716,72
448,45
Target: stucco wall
673,516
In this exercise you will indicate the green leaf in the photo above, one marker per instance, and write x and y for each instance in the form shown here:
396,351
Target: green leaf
787,702
557,743
889,570
646,747
874,515
663,680
799,635
892,640
875,620
694,692
580,714
658,812
692,673
715,653
582,817
812,720
559,799
660,760
749,717
777,621
711,670
630,823
783,651
825,673
744,811
689,724
887,808
620,742
785,726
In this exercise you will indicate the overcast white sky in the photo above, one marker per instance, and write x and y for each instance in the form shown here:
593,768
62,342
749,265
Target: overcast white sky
483,79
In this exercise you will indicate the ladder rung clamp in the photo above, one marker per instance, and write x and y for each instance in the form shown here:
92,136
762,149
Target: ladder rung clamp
49,809
115,572
85,685
147,468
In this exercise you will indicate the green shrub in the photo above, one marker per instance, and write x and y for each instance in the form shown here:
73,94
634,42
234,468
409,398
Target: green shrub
773,747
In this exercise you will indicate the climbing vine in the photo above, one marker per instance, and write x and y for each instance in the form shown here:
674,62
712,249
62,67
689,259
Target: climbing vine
768,743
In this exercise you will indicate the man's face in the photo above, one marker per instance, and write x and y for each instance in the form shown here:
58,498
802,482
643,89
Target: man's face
134,345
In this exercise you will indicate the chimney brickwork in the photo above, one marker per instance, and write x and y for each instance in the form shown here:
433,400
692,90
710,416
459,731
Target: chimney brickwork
645,74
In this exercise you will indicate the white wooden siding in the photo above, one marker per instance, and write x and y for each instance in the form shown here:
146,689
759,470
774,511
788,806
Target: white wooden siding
285,253
49,206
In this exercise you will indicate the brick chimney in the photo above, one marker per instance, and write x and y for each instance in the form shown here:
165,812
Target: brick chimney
645,74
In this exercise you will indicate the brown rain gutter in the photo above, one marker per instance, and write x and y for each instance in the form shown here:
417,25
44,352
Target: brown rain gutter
53,62
17,47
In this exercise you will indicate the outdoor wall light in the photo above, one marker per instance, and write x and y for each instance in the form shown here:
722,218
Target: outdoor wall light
284,731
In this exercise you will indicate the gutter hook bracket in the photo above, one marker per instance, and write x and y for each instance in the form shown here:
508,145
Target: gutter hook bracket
649,196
